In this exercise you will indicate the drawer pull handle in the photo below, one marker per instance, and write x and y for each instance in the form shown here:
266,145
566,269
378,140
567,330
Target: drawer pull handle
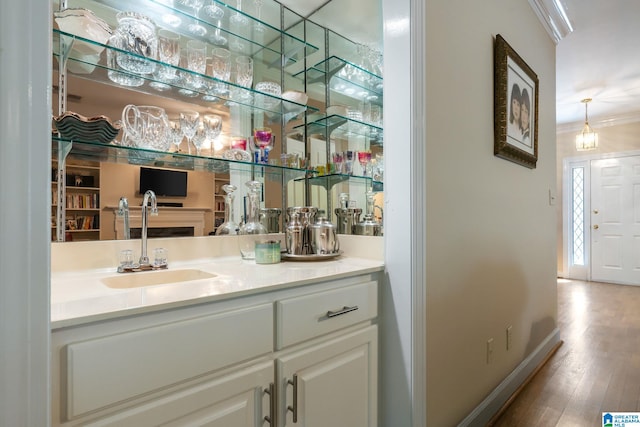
294,408
342,311
271,391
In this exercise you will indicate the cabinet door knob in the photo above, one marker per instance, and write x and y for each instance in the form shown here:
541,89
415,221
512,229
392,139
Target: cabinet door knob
595,227
294,408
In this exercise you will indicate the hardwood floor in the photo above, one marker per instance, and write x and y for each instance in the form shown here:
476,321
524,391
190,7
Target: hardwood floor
596,370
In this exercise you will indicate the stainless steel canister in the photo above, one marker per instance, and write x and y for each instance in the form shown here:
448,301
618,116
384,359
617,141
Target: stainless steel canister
346,219
270,219
368,227
294,234
306,216
324,237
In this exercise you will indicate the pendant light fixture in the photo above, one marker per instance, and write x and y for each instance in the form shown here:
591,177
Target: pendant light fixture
588,138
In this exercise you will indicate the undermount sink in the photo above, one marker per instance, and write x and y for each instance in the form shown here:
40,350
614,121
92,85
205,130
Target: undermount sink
151,278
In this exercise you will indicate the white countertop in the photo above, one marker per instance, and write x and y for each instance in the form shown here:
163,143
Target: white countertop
79,297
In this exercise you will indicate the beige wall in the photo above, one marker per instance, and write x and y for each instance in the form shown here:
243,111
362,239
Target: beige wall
491,232
611,139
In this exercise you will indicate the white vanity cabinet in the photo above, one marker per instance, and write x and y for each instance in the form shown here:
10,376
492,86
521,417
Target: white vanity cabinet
256,360
333,383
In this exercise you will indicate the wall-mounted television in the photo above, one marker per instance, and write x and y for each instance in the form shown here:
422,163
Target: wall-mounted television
163,182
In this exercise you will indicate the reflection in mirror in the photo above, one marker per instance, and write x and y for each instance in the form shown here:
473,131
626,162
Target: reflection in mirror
313,137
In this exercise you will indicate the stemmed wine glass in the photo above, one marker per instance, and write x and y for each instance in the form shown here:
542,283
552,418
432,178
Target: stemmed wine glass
364,157
189,121
213,10
258,27
175,133
212,125
200,138
263,139
195,26
238,18
217,38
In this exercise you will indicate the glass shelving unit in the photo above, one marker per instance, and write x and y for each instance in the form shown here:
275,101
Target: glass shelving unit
97,69
112,153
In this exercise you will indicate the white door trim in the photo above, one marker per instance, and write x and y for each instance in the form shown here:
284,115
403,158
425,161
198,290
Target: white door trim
567,165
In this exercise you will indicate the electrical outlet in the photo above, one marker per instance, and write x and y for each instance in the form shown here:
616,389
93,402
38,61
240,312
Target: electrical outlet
489,351
509,337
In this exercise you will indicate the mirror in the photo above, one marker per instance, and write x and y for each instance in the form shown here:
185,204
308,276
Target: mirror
204,195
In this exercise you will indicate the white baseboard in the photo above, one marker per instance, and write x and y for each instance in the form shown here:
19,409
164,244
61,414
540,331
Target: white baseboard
481,415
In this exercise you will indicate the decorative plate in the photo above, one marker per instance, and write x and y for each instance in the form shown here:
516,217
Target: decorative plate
75,126
237,155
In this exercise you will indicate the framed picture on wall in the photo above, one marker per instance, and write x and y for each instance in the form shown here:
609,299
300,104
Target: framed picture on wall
515,106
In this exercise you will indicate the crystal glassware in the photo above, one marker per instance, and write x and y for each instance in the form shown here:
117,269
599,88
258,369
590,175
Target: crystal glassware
169,53
189,121
137,40
263,140
270,88
195,27
258,27
213,10
251,230
197,61
238,18
186,78
217,38
229,226
338,160
239,143
348,162
212,125
244,71
220,68
364,158
200,138
175,133
123,78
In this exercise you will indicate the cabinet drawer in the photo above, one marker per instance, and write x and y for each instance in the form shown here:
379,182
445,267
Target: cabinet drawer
107,370
309,316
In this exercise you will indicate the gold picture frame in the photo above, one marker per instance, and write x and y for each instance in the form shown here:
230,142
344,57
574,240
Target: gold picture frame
515,106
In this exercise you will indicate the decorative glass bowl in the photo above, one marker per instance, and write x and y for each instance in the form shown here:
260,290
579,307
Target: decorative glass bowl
269,88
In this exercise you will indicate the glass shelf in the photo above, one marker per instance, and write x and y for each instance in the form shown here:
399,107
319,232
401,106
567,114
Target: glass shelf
346,78
96,68
94,151
328,181
236,29
338,126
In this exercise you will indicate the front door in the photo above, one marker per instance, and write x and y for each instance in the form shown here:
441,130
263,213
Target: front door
615,220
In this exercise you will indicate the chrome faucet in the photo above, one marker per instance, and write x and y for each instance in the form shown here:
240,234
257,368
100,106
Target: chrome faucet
149,196
123,210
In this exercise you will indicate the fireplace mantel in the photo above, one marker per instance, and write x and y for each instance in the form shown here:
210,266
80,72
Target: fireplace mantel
167,217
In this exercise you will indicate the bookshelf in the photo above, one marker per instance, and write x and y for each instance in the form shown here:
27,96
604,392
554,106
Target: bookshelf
82,200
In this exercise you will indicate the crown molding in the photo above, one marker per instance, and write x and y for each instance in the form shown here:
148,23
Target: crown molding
554,18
